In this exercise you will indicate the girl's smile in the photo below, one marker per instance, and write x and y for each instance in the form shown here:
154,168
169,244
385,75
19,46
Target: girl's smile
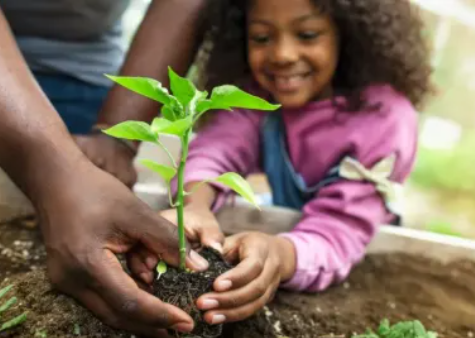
291,83
292,50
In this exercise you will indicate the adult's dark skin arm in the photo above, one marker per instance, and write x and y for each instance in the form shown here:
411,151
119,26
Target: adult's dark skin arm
168,36
86,215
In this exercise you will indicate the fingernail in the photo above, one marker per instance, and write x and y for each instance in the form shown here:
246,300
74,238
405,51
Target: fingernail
217,246
224,285
151,262
218,319
147,277
200,262
208,304
183,327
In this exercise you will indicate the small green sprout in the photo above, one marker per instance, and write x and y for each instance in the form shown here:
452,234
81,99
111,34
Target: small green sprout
7,305
41,334
77,329
180,112
409,329
161,269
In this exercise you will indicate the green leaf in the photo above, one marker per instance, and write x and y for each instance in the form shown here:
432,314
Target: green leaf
8,304
384,327
228,97
14,322
161,267
183,89
165,171
199,98
408,329
419,329
173,110
204,106
239,185
159,124
144,86
168,113
178,128
5,290
132,130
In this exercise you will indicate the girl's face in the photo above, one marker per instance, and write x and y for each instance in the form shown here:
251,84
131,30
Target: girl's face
293,50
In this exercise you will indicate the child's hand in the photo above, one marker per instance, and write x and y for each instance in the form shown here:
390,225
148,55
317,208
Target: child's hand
264,262
201,226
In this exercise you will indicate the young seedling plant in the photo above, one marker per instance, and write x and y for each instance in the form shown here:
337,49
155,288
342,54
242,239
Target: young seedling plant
408,329
7,305
180,111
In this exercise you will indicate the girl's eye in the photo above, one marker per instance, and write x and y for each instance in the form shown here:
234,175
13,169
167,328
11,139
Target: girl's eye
310,35
260,39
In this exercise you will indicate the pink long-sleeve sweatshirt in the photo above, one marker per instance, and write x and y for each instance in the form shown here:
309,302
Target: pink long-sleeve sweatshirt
341,219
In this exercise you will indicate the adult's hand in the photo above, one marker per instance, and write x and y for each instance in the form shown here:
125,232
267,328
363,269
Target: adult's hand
87,216
94,218
111,155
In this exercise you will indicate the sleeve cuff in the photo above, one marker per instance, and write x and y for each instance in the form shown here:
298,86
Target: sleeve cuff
315,270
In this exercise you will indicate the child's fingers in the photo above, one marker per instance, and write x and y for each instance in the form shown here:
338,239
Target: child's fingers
210,235
231,248
244,295
253,258
240,313
200,230
141,263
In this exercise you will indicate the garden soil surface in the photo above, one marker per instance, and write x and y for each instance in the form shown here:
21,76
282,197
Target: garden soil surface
397,287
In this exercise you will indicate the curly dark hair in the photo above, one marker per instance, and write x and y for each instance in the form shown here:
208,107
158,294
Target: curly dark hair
381,43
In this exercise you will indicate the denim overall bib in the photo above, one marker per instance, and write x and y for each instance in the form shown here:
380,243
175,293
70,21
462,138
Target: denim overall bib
289,188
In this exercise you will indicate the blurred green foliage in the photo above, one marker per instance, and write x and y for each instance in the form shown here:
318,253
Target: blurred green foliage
452,171
441,227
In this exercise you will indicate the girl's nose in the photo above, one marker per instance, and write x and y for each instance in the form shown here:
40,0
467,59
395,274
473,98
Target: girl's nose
284,52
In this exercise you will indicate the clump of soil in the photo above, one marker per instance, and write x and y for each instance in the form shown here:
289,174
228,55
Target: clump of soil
182,289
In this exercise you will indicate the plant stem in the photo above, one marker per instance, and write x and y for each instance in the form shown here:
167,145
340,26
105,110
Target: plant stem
180,203
170,197
165,149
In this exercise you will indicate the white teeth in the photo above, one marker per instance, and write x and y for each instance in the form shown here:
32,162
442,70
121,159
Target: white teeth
288,83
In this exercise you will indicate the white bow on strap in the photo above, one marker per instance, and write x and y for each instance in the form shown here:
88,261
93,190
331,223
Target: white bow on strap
392,192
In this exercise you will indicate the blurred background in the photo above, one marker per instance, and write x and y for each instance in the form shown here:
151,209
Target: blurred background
440,194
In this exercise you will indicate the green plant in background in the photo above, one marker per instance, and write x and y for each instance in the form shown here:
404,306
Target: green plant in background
447,170
180,112
409,329
443,228
7,305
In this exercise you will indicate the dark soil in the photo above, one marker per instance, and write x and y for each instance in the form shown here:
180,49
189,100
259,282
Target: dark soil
21,248
397,287
182,289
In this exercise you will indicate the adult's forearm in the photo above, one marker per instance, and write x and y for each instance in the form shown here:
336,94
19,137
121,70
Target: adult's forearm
34,143
168,36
